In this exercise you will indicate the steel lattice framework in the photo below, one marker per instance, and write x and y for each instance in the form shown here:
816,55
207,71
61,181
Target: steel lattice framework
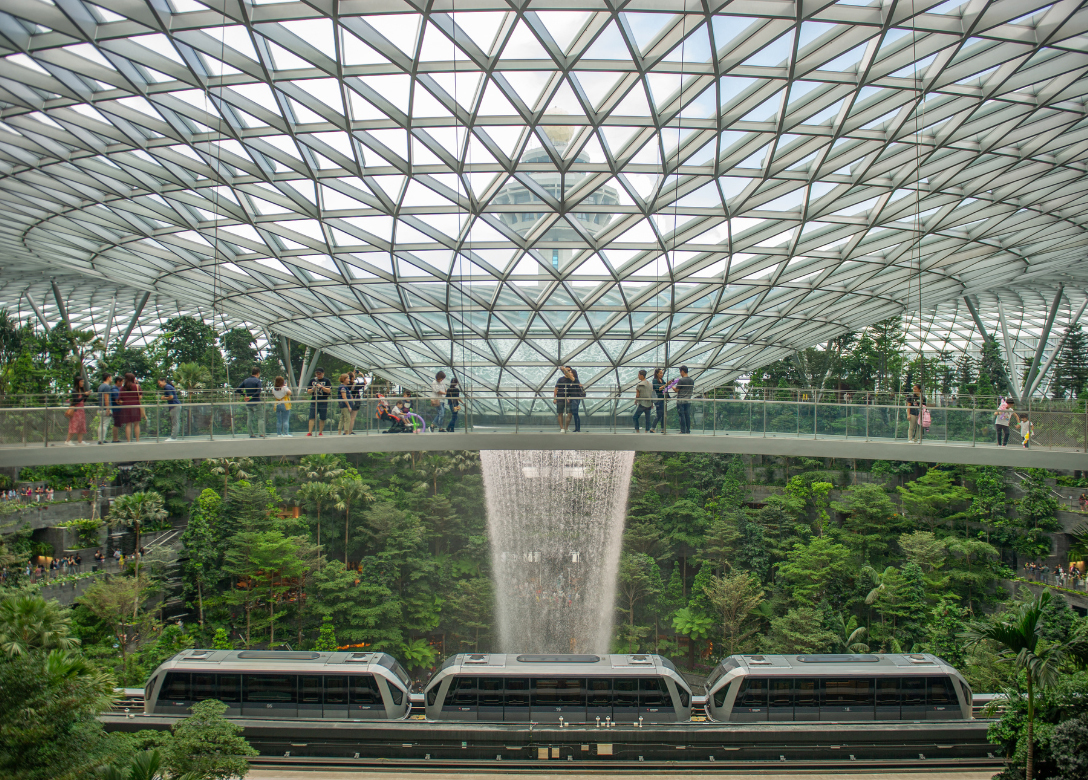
495,185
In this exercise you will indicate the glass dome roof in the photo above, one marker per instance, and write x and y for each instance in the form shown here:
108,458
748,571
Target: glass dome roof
496,186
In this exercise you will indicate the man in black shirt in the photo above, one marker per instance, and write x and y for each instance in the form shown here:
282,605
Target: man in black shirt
685,386
320,389
251,389
560,396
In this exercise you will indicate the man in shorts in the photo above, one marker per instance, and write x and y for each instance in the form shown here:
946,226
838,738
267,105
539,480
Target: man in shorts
320,389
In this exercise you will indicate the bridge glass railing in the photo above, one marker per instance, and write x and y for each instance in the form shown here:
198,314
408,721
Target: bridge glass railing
523,411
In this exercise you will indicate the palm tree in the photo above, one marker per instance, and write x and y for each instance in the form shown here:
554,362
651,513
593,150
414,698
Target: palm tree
849,635
321,468
83,343
29,622
136,510
229,467
1020,642
191,376
880,585
350,491
319,494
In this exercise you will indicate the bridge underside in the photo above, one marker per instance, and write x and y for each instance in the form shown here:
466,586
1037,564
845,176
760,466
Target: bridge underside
830,447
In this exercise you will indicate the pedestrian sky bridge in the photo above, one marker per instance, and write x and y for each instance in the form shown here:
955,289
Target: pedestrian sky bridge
36,435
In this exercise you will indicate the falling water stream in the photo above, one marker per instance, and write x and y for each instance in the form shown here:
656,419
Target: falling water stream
556,522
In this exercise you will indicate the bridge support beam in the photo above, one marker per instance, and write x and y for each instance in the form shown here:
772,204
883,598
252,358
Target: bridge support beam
140,303
37,311
1010,356
1038,378
1030,380
60,304
978,320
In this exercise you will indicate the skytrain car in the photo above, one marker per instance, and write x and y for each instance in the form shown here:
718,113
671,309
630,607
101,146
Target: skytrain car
828,687
282,684
546,688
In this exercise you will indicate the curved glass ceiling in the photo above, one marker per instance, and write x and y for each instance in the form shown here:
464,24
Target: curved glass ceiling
510,185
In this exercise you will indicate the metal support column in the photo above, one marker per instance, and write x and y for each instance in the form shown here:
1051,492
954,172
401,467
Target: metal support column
1010,356
37,311
1044,336
1038,379
140,303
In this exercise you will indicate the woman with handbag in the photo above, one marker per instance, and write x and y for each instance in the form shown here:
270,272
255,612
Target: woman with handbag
453,398
76,414
131,412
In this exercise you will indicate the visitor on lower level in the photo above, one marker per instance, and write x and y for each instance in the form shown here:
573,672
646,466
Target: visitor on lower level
685,386
644,393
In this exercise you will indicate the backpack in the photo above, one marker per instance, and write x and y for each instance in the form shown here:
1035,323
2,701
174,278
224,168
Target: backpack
926,419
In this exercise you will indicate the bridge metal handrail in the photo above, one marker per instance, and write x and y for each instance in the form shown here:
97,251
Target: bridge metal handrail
526,410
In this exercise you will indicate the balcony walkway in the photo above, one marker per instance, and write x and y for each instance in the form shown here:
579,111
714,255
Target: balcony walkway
36,453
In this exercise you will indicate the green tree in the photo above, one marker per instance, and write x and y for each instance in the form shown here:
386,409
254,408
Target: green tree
326,639
734,597
1021,643
136,510
801,630
239,468
350,492
989,503
321,468
221,641
190,340
1071,370
849,636
869,514
208,746
190,377
365,608
818,571
635,583
319,495
1037,513
933,498
200,565
29,623
118,602
946,623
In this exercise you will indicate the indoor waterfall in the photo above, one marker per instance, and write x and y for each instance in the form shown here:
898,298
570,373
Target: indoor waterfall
556,523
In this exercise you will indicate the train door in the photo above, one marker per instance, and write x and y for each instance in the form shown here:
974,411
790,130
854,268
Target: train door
780,701
558,697
913,701
887,698
364,698
460,703
598,698
310,704
335,705
516,700
654,701
751,703
489,694
625,699
269,696
806,698
941,701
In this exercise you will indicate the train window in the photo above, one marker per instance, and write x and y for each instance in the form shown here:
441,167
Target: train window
309,689
625,692
432,694
914,691
887,692
685,696
806,692
176,686
204,687
363,689
725,666
490,691
753,692
545,692
336,690
599,692
395,693
270,687
652,692
721,693
517,692
570,692
230,687
781,693
391,663
462,692
849,692
940,691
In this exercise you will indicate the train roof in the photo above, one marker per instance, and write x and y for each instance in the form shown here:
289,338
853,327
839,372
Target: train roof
836,664
280,661
557,663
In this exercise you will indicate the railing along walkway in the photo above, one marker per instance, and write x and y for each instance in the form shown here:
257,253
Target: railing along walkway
37,435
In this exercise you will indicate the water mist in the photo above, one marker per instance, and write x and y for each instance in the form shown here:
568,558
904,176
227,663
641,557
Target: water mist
556,522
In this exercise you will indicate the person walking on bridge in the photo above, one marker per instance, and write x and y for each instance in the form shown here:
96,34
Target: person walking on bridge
105,391
76,414
1003,418
438,400
915,403
319,390
559,395
173,407
644,393
251,390
685,387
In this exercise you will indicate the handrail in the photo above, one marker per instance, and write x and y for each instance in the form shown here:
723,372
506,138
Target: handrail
525,410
